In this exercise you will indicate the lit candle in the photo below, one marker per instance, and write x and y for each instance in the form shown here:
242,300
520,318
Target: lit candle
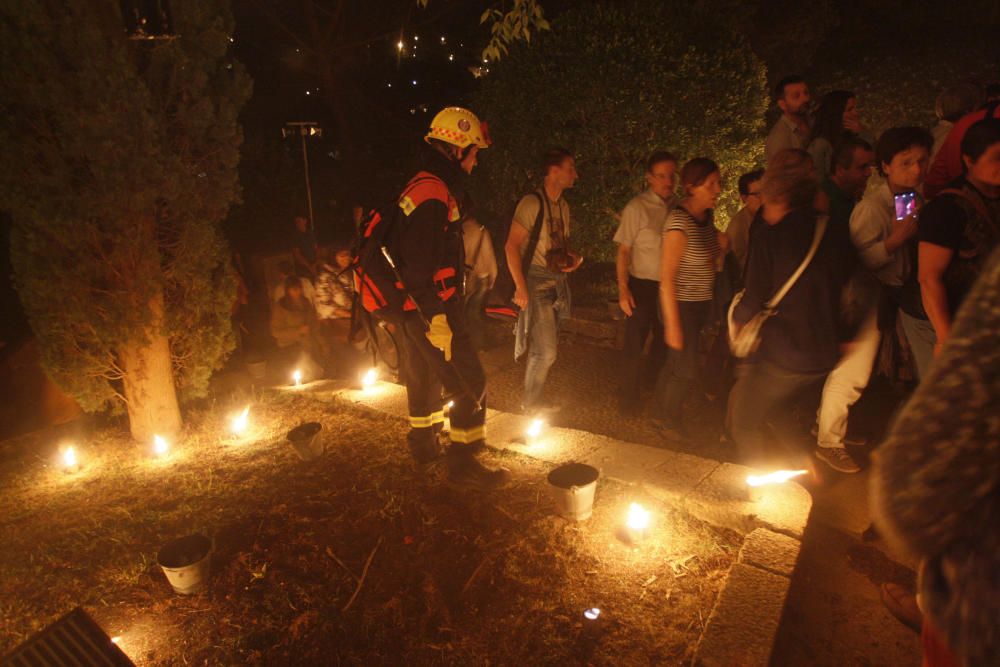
297,377
239,423
160,446
592,623
535,428
370,378
754,482
637,521
69,459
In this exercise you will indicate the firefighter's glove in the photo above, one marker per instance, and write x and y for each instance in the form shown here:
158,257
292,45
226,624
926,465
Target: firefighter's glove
439,334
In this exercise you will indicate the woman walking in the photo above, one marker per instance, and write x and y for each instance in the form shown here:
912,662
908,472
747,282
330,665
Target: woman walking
692,248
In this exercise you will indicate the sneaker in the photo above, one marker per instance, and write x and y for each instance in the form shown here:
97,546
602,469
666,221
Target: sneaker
838,459
465,471
849,440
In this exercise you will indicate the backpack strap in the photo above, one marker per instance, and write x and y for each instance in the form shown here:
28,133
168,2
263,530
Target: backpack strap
975,202
536,231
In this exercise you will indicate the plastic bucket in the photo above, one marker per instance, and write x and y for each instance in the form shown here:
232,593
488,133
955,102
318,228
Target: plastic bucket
185,561
257,369
573,487
305,441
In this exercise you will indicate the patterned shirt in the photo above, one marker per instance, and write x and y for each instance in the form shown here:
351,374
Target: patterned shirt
695,279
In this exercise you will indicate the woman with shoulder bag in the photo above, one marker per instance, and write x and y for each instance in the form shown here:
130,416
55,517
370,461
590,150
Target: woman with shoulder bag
785,321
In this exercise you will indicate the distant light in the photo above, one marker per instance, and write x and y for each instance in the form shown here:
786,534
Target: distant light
239,423
308,93
592,613
638,517
231,40
442,39
485,60
414,82
451,56
399,45
160,445
416,38
388,85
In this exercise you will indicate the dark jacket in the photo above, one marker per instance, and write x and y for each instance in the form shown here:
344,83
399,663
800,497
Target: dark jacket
803,336
428,244
936,479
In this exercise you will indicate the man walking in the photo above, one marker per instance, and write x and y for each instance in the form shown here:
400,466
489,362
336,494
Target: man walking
438,349
792,129
851,166
542,225
639,239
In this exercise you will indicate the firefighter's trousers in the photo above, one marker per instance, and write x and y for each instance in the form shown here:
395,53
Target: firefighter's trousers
425,372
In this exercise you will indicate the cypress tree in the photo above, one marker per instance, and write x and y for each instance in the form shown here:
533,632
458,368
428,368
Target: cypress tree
120,165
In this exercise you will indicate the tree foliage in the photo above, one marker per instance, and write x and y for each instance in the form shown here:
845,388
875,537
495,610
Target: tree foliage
120,164
613,82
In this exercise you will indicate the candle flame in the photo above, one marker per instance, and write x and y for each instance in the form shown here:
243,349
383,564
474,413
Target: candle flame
240,421
592,613
370,378
535,428
774,478
638,517
69,457
160,445
449,404
297,377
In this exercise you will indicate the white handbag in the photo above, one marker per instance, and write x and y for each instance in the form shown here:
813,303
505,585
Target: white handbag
747,340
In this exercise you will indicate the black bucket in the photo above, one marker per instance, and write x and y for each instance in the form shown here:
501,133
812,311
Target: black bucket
305,441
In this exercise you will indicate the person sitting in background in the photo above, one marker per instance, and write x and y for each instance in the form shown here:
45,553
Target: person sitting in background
334,302
792,128
738,229
836,120
480,274
885,244
852,164
304,248
951,104
294,325
692,249
639,238
957,231
799,343
286,270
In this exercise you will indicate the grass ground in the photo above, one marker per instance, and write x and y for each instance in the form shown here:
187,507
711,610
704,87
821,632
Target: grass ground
356,557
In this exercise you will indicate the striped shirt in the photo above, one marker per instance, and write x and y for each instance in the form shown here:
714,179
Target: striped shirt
695,279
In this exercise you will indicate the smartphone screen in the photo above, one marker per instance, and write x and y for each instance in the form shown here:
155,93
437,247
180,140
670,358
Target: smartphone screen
906,204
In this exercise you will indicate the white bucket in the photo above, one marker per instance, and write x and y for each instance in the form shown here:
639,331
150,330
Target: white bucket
305,442
573,487
185,561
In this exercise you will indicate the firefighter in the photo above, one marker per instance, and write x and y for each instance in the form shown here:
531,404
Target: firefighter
438,349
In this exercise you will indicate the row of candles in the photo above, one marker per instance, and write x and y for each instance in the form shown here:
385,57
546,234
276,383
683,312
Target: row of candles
238,425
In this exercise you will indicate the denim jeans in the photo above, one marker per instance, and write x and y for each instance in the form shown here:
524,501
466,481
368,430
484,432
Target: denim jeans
922,339
644,322
681,368
544,333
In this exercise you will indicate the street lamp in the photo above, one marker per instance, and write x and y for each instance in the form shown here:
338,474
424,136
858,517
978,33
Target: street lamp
304,129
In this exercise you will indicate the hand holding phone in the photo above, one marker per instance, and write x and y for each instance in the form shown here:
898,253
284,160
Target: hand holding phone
906,204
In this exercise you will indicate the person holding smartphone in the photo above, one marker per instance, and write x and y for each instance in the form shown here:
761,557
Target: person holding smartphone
885,240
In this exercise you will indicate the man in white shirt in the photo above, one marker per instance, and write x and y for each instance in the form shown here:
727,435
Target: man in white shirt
792,129
639,239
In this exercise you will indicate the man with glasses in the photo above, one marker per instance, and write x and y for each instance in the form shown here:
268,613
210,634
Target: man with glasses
738,230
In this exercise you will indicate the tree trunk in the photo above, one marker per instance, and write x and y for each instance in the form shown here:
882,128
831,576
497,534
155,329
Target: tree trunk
149,383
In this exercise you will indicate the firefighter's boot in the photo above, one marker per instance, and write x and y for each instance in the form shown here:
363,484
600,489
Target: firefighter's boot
465,470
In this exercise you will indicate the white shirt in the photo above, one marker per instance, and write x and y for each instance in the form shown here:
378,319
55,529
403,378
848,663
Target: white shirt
641,230
871,225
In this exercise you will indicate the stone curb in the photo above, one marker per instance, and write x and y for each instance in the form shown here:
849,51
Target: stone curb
745,618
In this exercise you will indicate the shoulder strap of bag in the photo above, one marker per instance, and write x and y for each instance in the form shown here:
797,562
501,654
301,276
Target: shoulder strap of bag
536,229
975,202
817,237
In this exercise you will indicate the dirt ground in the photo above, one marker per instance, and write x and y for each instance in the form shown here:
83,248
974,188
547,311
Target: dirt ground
356,557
